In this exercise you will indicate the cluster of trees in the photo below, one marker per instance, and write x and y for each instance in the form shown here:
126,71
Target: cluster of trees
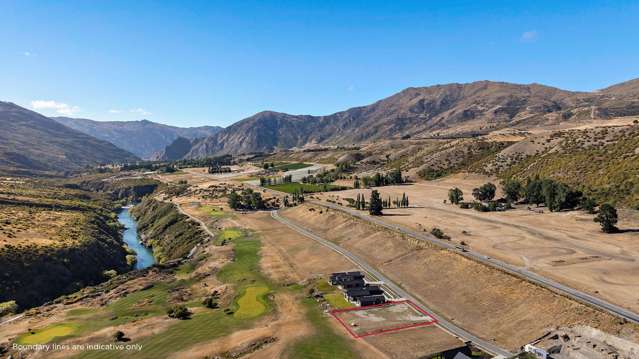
268,181
430,174
225,160
380,179
485,192
267,165
329,176
553,194
297,197
216,168
178,312
246,199
556,196
323,177
397,202
361,204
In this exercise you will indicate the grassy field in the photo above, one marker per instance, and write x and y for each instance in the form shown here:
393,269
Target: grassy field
252,303
305,187
213,211
227,235
324,343
45,335
337,300
185,270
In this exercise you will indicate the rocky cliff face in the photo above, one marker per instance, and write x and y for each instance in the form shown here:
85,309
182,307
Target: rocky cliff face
175,151
442,110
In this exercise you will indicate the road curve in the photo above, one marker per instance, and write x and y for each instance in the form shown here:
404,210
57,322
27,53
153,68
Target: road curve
394,288
508,268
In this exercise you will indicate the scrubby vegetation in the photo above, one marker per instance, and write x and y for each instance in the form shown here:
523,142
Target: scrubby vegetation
162,227
55,240
455,156
305,187
382,179
247,199
603,163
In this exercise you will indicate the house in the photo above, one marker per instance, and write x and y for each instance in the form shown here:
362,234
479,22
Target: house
341,277
356,283
371,300
353,294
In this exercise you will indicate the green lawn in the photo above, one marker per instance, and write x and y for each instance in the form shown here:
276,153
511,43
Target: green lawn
214,211
250,302
337,300
48,334
306,187
230,234
324,343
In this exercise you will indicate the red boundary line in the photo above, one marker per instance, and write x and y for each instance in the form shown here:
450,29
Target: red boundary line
334,313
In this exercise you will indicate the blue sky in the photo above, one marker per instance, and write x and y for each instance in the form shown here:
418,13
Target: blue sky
190,63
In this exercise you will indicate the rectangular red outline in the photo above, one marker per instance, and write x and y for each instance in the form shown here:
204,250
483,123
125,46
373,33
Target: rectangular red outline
334,313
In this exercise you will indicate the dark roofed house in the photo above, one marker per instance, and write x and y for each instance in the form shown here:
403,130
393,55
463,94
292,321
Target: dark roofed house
371,300
353,294
341,277
356,283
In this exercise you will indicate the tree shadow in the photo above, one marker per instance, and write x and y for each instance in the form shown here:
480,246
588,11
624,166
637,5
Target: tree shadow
627,230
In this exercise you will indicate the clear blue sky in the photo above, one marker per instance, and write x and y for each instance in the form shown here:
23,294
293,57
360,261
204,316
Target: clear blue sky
191,63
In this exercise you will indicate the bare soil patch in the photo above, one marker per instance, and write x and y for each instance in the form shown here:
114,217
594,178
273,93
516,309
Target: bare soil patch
485,301
566,246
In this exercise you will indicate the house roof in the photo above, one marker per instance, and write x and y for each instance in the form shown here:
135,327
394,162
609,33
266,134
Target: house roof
370,298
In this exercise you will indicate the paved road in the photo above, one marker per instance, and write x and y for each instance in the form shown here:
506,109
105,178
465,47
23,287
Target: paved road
393,288
509,268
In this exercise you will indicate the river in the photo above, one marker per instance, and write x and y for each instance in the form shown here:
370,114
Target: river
132,239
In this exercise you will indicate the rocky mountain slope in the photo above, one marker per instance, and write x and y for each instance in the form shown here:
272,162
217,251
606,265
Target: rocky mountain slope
32,143
142,138
435,111
174,151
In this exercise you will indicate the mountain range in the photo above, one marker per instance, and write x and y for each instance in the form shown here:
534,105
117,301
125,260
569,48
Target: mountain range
142,138
31,143
441,110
